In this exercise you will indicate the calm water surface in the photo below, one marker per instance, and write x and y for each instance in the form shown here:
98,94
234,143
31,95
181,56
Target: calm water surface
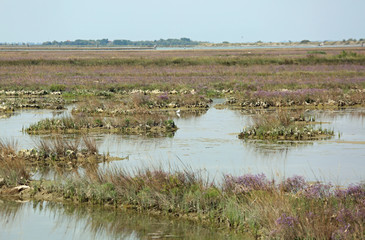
46,220
209,142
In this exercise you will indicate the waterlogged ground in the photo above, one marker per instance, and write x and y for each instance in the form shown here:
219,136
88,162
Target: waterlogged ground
208,141
45,220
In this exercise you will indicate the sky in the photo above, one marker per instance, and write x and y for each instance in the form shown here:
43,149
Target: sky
212,21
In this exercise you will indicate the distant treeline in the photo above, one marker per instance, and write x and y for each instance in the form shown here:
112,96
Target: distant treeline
106,42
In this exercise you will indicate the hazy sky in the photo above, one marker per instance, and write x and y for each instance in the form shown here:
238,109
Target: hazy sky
213,20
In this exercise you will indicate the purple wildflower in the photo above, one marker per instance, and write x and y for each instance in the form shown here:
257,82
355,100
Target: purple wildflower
293,184
247,182
355,191
286,221
318,190
163,97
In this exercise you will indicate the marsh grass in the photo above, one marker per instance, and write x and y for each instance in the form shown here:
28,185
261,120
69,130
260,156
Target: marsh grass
343,57
309,98
13,170
292,208
141,103
283,124
208,72
57,152
60,147
136,123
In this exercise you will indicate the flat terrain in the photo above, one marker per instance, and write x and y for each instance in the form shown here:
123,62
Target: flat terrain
253,69
69,102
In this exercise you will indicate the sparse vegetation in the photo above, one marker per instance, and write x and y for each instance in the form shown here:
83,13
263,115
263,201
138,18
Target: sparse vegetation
284,125
57,152
147,123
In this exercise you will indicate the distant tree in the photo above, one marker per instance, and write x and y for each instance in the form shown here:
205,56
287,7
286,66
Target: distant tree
117,42
305,41
103,41
121,42
80,42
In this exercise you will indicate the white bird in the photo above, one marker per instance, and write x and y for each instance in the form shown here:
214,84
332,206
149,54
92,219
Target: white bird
178,112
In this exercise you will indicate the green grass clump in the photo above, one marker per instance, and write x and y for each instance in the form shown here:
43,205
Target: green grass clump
57,152
284,125
128,124
316,52
13,170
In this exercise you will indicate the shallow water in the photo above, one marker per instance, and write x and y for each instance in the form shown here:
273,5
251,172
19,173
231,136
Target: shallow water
209,142
46,220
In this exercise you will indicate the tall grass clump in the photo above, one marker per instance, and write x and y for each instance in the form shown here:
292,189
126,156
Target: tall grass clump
13,169
60,147
59,151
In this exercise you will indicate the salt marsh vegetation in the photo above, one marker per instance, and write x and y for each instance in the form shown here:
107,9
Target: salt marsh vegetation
150,93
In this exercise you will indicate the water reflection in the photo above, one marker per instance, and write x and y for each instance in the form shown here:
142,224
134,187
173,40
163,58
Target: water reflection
267,148
4,115
185,114
208,140
40,220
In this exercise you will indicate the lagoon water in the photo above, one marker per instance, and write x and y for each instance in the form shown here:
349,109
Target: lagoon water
207,142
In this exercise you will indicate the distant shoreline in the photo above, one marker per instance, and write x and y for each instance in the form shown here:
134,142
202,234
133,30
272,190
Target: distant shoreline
196,47
73,48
